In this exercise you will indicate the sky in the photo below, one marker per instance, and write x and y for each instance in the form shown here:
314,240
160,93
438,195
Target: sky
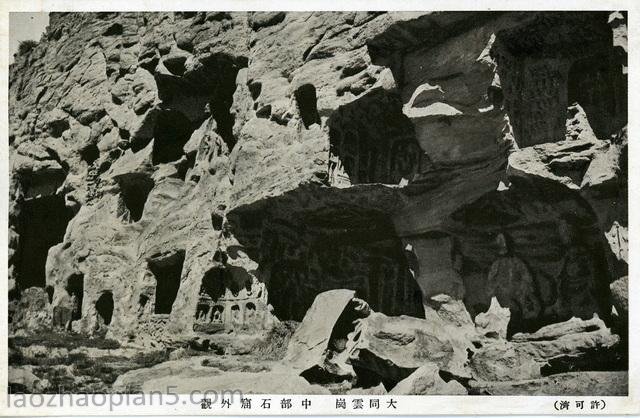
25,25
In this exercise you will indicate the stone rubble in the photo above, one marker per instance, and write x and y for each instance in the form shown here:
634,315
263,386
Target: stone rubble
440,198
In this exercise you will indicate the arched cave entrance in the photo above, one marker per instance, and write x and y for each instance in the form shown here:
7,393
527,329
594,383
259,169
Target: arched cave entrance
597,84
104,307
75,289
343,251
167,270
372,141
213,283
134,191
307,104
42,223
171,132
538,251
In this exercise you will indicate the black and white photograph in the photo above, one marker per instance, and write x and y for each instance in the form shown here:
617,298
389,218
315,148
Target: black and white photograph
361,205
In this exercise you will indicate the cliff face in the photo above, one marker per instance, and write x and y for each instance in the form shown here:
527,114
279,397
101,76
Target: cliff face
175,174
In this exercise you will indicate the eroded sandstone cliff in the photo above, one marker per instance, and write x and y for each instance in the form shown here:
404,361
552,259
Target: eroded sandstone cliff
178,174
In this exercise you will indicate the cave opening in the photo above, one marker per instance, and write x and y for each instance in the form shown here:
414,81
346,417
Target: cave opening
213,283
50,292
42,183
360,253
212,81
167,270
541,75
41,224
185,165
104,307
307,104
544,261
216,221
171,132
221,112
598,85
372,141
134,191
114,29
142,303
220,89
90,153
75,289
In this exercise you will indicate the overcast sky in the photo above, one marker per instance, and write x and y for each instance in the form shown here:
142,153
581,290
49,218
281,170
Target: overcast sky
25,25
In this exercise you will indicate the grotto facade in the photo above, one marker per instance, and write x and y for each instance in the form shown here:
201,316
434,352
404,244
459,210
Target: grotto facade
185,174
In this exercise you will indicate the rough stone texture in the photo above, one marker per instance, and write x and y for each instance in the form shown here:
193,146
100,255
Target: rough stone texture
393,347
427,381
30,313
188,375
183,176
270,382
523,357
22,380
620,295
309,343
495,321
570,384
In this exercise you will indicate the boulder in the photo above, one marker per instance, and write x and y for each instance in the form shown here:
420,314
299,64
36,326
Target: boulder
394,347
495,321
308,345
33,312
620,295
427,381
22,380
373,390
451,311
576,340
501,361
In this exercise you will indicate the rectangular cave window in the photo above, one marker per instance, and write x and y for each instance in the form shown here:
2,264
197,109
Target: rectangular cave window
41,224
307,104
90,153
167,269
134,190
104,307
596,84
75,289
172,131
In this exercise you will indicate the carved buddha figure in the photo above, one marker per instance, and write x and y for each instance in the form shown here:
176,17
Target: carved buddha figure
512,283
405,156
576,284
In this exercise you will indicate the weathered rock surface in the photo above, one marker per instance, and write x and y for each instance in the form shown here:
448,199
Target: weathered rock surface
202,176
523,357
394,347
188,375
310,342
31,312
266,382
571,384
427,381
22,380
620,295
495,321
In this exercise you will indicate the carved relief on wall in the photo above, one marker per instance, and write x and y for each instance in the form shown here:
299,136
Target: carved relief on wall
222,304
372,141
296,268
544,70
544,265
